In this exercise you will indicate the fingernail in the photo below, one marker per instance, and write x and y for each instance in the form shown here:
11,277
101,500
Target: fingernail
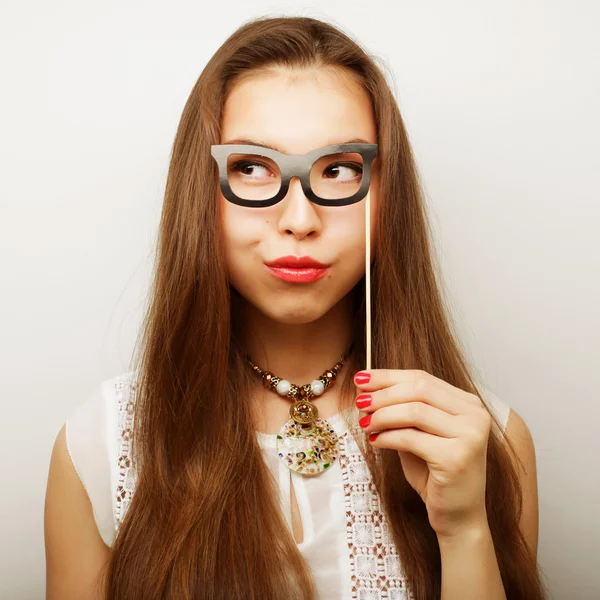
364,422
362,377
364,400
373,437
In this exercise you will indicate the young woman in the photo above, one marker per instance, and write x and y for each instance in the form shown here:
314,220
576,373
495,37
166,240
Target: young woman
230,463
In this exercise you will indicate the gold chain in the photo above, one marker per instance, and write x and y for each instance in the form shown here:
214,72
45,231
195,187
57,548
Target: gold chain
302,411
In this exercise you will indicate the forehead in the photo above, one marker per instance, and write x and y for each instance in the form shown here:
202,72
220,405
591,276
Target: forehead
298,111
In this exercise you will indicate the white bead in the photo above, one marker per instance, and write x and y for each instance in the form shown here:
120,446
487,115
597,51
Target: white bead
283,387
317,387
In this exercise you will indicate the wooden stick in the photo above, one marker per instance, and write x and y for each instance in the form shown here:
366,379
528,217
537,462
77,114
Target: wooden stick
368,276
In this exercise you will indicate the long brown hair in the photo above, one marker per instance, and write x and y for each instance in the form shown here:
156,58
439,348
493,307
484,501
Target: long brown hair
204,522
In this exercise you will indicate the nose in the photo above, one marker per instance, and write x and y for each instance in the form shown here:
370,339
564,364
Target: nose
298,215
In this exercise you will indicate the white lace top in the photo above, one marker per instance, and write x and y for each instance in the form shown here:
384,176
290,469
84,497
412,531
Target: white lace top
346,538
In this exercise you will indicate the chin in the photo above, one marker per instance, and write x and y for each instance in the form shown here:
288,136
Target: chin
294,315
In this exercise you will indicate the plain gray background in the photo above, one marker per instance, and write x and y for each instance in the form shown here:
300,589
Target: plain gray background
501,102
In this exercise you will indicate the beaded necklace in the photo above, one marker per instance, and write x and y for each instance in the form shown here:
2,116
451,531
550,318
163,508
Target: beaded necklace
306,443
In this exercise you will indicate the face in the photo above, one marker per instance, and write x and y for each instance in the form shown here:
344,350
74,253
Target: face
297,112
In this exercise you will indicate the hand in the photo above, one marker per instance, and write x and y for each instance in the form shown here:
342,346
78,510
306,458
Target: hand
441,434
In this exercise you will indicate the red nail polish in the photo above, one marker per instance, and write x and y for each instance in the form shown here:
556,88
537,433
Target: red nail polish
364,400
364,422
362,377
373,437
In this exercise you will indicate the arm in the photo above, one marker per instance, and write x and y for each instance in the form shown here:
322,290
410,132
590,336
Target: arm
469,566
75,552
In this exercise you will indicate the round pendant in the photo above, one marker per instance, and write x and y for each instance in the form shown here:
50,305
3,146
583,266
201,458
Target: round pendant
307,448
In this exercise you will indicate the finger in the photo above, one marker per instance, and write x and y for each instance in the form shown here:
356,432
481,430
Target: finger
374,379
430,448
380,379
431,391
413,414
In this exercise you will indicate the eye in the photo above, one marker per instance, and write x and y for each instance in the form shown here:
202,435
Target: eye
343,172
250,169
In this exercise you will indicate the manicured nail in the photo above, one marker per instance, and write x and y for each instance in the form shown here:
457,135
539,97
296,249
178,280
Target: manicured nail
364,422
362,377
364,400
373,437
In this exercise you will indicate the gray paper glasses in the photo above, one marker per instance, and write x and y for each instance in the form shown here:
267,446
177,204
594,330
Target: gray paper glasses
255,176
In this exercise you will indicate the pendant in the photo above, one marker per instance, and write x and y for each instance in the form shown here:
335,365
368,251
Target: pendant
307,448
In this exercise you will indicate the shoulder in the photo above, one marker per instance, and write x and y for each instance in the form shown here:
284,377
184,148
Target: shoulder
93,434
521,440
517,435
75,551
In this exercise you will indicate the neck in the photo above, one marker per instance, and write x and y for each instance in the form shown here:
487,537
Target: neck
298,352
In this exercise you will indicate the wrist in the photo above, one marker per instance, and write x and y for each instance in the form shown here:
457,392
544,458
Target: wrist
472,532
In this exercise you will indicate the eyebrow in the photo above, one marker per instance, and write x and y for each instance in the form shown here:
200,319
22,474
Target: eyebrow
272,147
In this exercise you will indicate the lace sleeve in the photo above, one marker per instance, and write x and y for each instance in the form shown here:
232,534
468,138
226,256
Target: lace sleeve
125,392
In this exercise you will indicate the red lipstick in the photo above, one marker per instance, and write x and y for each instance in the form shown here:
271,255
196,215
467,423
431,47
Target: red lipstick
297,269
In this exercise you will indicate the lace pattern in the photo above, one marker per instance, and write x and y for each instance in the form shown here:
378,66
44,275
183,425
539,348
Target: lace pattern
125,391
374,560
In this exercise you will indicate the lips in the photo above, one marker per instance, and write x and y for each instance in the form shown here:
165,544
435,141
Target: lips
297,269
296,262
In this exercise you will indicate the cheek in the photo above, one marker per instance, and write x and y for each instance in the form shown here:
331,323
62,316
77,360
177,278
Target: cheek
241,227
245,231
346,233
349,222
